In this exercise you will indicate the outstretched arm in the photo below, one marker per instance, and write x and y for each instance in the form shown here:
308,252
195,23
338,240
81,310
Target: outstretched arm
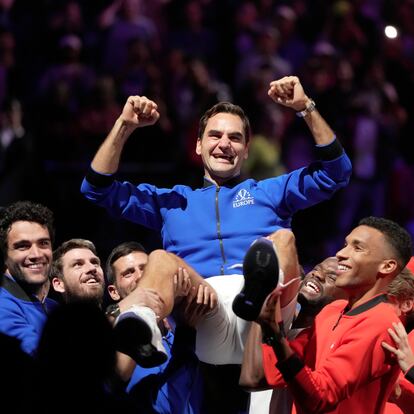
138,112
289,92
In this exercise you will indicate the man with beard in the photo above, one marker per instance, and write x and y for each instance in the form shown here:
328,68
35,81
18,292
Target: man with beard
26,236
78,276
77,273
175,385
317,290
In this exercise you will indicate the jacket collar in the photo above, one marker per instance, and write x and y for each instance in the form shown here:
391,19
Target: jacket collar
229,183
15,289
368,305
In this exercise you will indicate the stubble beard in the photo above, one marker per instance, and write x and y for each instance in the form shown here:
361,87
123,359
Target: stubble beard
21,277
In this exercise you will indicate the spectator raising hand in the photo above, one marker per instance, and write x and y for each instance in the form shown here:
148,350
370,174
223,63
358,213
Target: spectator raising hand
403,350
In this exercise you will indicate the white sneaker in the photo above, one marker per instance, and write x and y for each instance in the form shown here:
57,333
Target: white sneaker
137,335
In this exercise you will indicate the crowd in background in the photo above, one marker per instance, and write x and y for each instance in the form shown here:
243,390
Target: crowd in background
66,68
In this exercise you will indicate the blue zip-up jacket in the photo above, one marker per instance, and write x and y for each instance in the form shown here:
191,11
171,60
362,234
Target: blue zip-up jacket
212,227
22,316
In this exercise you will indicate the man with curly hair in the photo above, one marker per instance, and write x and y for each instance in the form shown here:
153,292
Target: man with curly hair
26,237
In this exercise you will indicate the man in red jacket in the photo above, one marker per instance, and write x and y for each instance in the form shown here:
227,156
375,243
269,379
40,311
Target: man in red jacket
338,365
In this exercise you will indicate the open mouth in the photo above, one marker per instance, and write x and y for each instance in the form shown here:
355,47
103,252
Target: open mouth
343,268
223,157
92,281
312,287
36,267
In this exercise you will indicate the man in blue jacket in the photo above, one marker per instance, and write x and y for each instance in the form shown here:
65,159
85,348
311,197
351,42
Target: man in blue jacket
26,236
207,231
176,385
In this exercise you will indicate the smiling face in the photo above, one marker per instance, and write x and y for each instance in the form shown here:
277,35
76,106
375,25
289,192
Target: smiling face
364,259
318,286
82,277
223,147
29,253
127,270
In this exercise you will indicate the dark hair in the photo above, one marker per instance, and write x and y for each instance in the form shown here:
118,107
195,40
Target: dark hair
24,211
396,236
57,265
228,108
121,250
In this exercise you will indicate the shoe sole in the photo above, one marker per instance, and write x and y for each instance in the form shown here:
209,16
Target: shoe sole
261,274
133,337
148,356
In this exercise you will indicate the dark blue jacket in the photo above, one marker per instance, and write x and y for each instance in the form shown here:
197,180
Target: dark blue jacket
22,316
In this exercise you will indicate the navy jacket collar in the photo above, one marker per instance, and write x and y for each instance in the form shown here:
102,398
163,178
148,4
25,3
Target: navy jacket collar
229,184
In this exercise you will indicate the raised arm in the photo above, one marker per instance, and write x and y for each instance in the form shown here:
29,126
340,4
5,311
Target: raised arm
138,112
289,92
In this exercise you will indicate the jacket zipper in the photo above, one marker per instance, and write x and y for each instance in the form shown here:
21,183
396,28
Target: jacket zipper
219,232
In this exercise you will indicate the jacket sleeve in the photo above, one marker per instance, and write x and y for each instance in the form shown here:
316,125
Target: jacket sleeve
308,186
342,373
273,376
15,324
138,204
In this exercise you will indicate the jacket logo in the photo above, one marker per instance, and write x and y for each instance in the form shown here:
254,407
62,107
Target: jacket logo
243,198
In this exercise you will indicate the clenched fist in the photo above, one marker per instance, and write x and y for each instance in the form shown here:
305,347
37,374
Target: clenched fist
139,111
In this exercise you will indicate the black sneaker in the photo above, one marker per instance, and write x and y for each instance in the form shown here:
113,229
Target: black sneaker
261,275
137,335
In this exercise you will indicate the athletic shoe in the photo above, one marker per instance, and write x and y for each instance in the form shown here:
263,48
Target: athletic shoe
261,276
137,334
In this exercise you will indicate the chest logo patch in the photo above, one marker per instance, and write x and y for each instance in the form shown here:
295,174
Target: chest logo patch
243,198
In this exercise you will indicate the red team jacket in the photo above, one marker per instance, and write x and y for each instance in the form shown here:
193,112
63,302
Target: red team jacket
339,364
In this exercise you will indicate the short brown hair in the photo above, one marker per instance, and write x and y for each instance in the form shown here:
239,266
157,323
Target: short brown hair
227,108
57,265
402,286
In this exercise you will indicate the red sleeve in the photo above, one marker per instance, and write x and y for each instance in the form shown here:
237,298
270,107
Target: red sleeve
273,376
357,360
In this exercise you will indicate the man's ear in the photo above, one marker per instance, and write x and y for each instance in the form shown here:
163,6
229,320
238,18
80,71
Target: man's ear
388,267
113,293
198,146
58,284
407,306
246,153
